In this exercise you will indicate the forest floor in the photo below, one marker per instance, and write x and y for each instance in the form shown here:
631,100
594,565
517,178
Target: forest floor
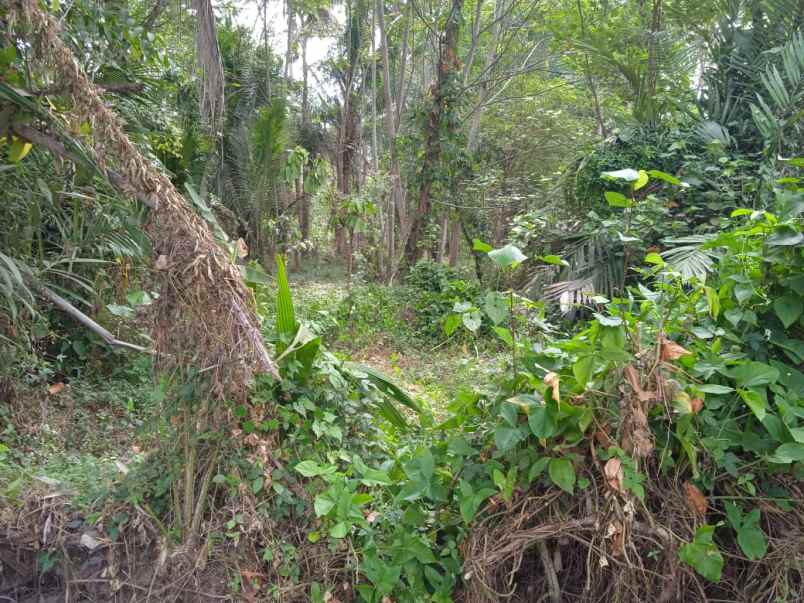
432,371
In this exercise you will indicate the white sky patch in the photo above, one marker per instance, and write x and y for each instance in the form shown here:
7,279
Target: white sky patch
250,15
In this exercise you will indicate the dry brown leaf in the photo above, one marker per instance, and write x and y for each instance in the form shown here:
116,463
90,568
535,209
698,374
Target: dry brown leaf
55,388
602,437
616,532
613,470
670,350
242,248
695,498
552,380
696,405
630,374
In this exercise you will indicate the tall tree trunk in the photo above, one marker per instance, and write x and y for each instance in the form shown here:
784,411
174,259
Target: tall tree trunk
397,193
447,65
454,239
289,49
304,198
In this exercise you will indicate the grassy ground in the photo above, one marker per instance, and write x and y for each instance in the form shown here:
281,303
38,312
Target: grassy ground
375,330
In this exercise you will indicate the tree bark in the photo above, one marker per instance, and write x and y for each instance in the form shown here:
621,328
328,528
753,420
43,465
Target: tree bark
448,63
397,193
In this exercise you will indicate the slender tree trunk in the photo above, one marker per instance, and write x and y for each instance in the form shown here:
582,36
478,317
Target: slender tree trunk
397,193
454,239
289,49
447,65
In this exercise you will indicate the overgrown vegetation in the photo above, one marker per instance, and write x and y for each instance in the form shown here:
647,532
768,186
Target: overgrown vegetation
497,302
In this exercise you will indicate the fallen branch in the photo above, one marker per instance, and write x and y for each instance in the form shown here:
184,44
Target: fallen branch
85,320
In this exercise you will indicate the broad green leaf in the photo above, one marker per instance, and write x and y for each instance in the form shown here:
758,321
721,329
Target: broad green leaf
472,320
496,307
608,321
785,236
286,325
702,554
789,453
537,468
507,256
788,308
505,335
451,322
627,174
121,311
753,374
752,541
479,245
562,473
339,530
18,150
712,388
542,421
552,259
616,199
322,505
654,258
641,181
659,175
755,402
506,438
312,469
582,370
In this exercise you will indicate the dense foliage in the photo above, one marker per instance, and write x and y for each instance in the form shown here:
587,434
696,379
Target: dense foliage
524,283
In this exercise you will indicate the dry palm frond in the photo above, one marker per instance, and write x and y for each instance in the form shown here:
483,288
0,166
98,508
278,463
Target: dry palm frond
204,316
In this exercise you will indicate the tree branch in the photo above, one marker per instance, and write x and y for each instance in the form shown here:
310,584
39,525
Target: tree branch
85,320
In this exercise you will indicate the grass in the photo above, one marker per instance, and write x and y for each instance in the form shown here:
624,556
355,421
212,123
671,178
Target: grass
372,325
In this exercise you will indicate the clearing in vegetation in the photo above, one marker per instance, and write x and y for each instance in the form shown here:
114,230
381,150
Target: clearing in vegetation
398,302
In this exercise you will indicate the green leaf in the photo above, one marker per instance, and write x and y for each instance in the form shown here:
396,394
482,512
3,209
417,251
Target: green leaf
641,181
785,236
788,308
121,311
552,259
713,388
313,469
339,530
507,256
608,321
285,316
659,175
627,174
496,307
542,421
755,402
616,199
505,335
582,370
702,554
562,473
18,150
752,542
479,245
451,322
753,374
323,505
789,453
506,438
472,320
537,468
654,258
